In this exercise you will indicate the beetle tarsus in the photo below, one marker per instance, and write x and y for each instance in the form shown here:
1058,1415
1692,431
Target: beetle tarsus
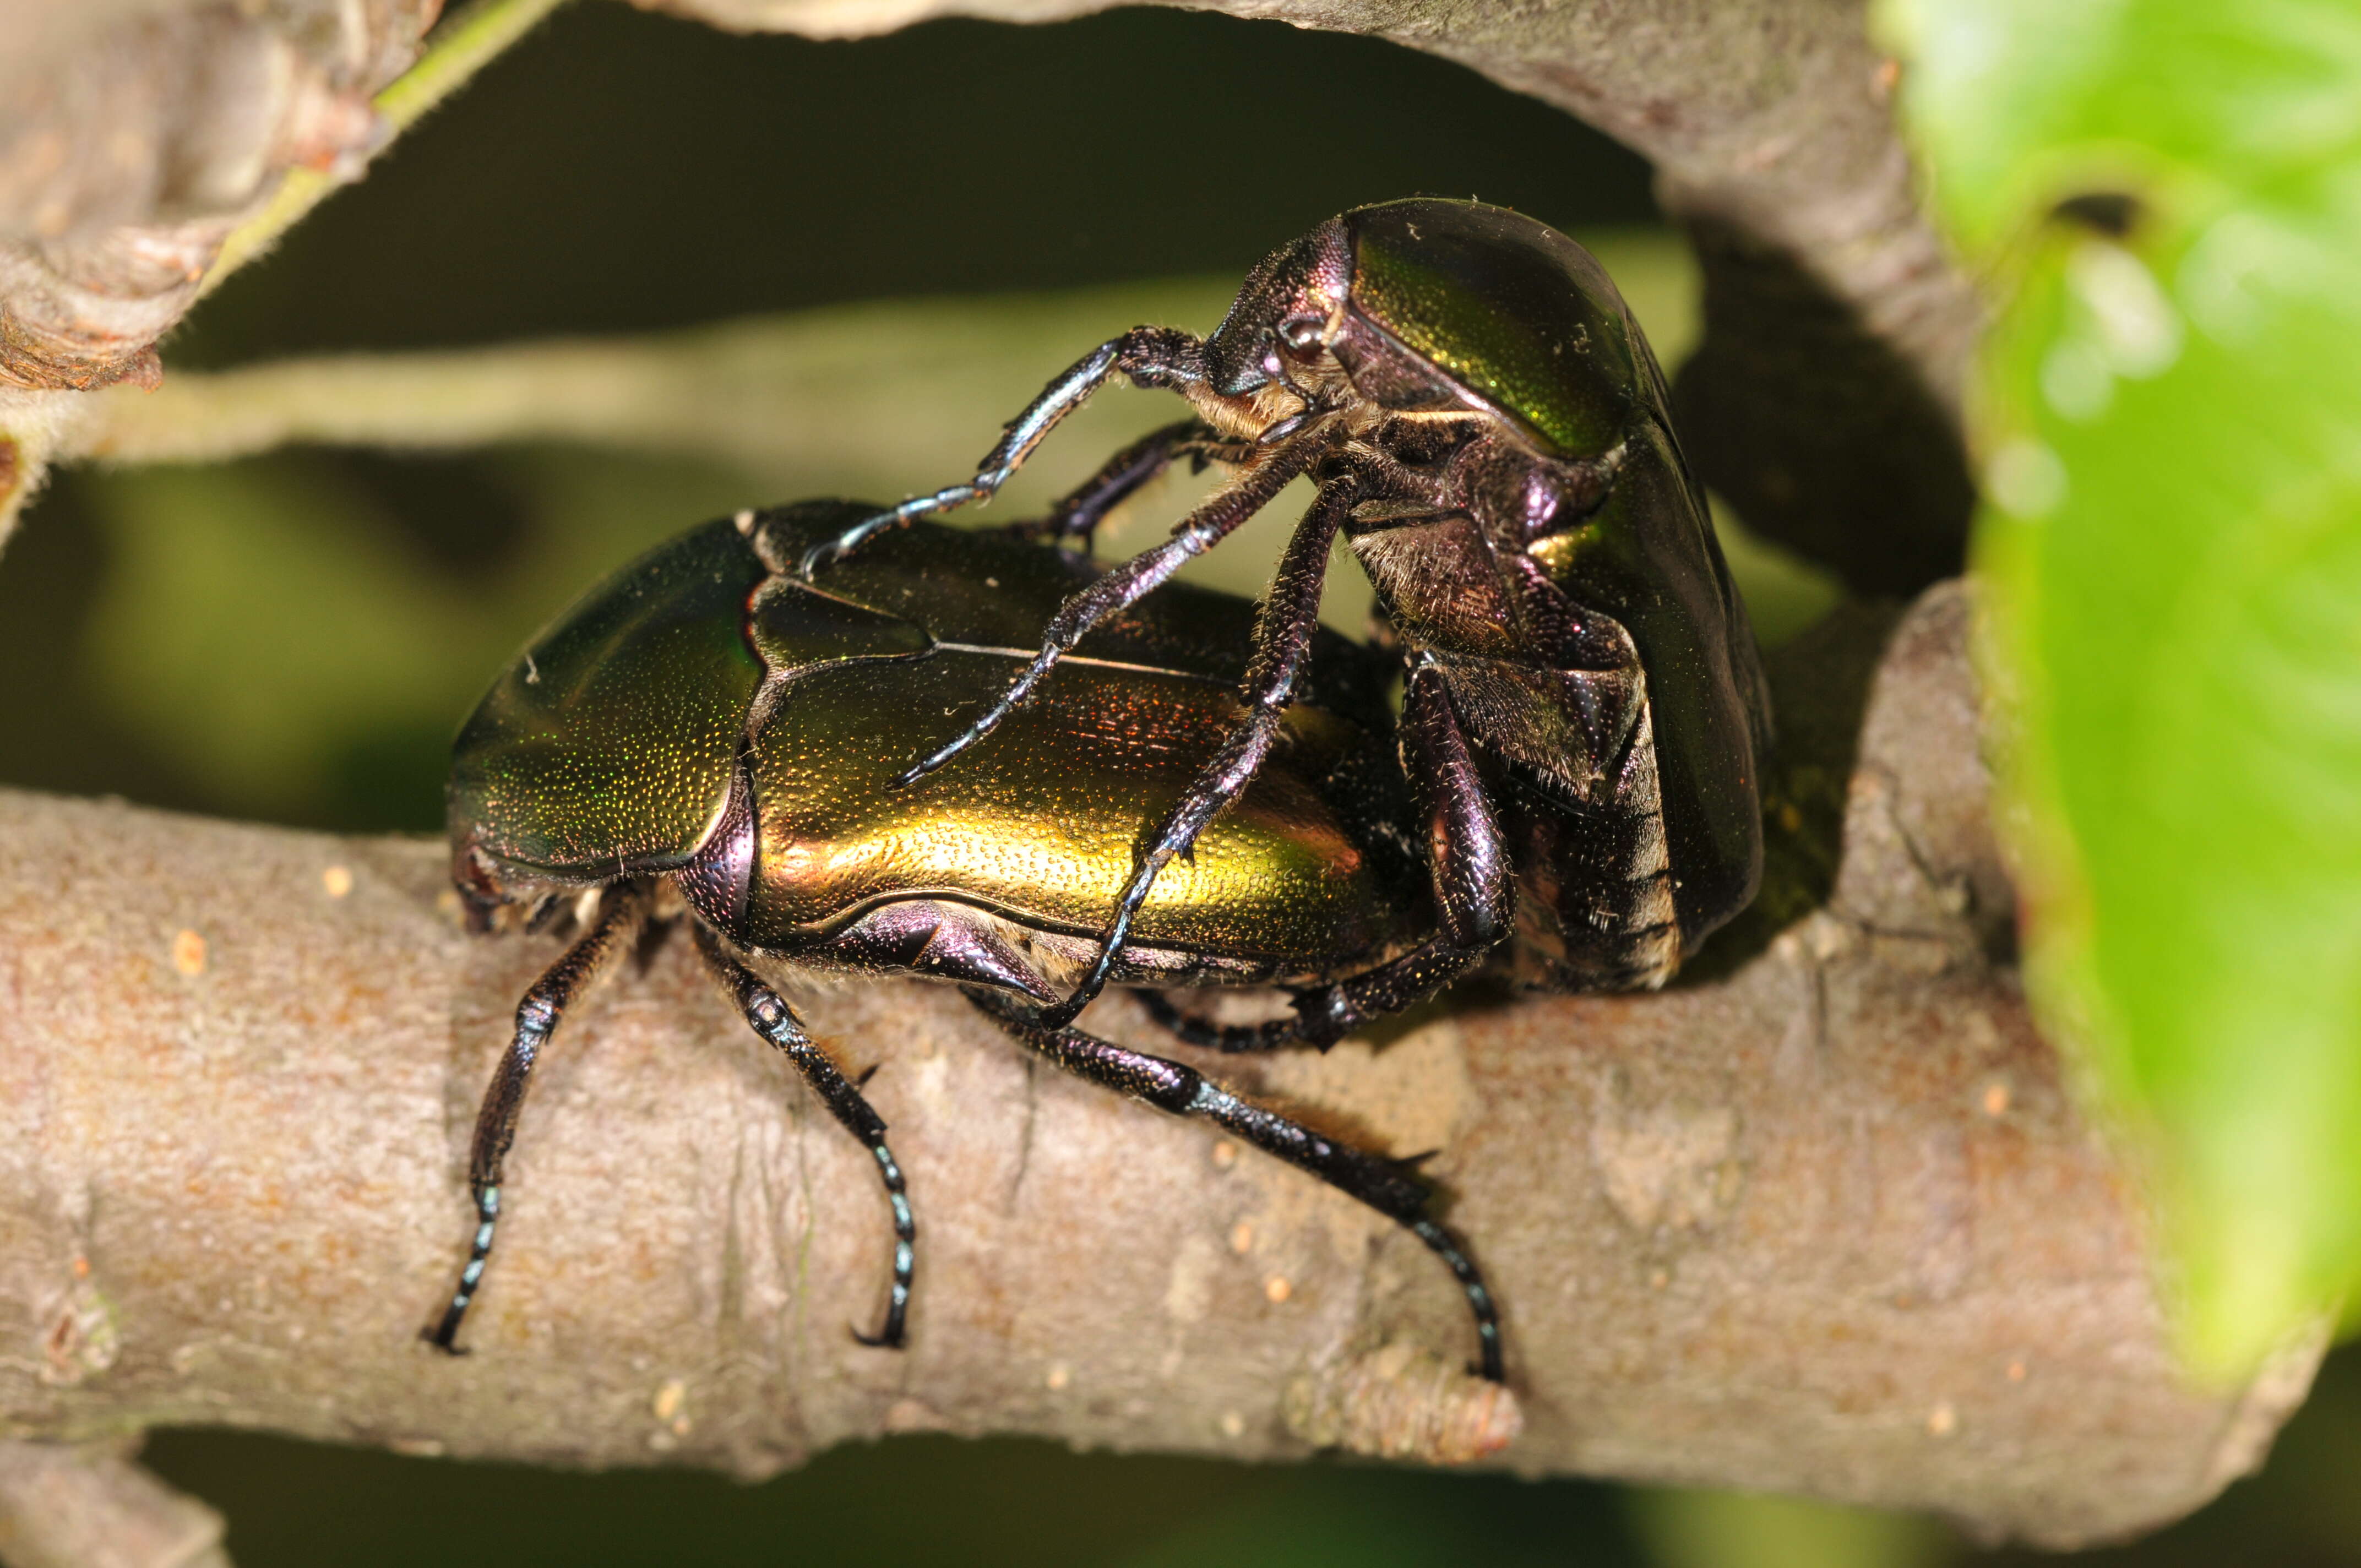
1119,589
1077,515
1150,355
831,551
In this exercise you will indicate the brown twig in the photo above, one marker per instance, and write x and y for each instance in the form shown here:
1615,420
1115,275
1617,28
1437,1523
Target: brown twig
1827,1221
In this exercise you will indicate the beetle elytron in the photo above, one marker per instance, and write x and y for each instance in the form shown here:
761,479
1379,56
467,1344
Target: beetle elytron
1583,712
709,726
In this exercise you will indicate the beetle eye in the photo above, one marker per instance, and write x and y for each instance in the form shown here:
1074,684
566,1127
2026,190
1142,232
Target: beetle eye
1300,333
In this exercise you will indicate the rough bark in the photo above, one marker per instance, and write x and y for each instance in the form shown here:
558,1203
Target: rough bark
1825,1220
133,138
1825,403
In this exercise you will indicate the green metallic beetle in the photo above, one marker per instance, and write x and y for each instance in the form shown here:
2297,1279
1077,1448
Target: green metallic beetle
1584,717
711,728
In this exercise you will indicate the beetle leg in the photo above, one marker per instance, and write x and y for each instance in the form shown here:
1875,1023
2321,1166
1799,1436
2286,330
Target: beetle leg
1078,514
1474,894
1123,585
1169,1086
1282,641
1233,1038
773,1019
537,1017
1150,356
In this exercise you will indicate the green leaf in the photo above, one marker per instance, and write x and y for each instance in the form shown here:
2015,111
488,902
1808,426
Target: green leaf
1741,1530
2167,196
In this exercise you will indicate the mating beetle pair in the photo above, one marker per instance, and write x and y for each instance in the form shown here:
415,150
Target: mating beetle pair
1581,728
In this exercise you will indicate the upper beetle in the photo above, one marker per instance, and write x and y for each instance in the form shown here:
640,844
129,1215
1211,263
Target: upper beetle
1584,716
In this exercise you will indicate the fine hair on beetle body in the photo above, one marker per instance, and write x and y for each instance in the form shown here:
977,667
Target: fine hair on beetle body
709,735
1584,717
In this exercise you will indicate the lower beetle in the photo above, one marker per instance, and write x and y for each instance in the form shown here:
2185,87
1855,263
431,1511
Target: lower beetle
1584,716
709,728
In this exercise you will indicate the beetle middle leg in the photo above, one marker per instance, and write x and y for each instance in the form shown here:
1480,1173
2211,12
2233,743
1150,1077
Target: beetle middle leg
1282,641
1078,514
772,1018
537,1018
1123,585
1167,1085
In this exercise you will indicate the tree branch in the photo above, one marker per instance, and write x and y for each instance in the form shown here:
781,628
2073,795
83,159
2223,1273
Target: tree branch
91,1506
1825,1222
884,387
134,139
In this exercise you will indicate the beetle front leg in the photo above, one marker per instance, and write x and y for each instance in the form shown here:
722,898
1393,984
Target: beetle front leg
1125,584
1282,641
1078,514
1383,1185
1157,356
537,1018
772,1018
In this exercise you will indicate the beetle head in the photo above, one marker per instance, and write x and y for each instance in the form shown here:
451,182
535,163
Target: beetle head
483,893
1285,314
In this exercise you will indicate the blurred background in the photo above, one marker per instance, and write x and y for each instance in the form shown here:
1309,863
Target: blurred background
620,173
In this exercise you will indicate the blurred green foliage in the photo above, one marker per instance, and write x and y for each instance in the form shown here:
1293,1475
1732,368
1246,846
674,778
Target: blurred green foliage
1739,1529
273,629
2168,194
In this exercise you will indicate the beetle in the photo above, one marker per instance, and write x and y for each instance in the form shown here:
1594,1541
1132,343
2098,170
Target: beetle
1583,715
709,729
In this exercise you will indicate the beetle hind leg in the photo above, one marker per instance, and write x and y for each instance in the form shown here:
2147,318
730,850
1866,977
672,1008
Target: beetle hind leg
1474,896
537,1017
1125,585
1384,1185
1230,1039
769,1016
